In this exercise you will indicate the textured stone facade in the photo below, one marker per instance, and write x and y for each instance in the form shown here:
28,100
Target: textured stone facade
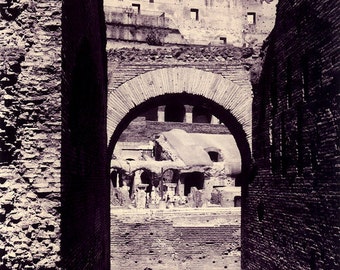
36,212
291,213
30,140
239,22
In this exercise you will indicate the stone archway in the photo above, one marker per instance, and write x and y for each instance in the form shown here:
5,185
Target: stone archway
229,102
225,99
176,81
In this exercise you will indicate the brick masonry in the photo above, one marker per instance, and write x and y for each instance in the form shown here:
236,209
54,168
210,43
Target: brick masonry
175,239
149,77
291,211
137,75
143,131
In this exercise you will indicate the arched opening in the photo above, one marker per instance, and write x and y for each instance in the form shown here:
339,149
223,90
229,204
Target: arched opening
201,115
174,113
193,179
187,171
151,115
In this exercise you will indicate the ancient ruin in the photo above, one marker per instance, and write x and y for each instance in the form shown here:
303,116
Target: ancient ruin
66,98
178,170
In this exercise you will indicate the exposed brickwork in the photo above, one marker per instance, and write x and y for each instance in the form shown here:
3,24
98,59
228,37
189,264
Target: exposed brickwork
231,62
176,239
291,218
30,127
144,131
220,75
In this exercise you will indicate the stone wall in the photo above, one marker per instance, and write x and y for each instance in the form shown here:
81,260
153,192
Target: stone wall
30,127
291,213
39,199
176,239
214,20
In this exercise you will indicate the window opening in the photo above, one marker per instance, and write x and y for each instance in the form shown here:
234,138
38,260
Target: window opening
223,40
201,115
305,76
237,201
214,156
300,139
251,18
194,14
289,83
151,115
283,149
136,8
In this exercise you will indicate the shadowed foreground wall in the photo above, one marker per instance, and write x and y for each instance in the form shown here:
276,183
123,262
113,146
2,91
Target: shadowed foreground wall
291,216
85,187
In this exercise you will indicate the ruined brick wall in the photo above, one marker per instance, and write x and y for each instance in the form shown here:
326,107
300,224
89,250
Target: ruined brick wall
30,132
85,180
176,239
144,131
291,213
231,62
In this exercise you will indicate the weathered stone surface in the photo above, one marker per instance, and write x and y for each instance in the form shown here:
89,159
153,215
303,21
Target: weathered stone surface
29,95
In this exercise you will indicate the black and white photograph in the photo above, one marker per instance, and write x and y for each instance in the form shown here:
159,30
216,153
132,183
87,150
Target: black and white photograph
169,135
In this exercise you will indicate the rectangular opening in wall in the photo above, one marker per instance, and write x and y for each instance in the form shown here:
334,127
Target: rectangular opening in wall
194,14
289,82
299,139
251,18
273,90
151,1
305,77
223,40
136,8
283,147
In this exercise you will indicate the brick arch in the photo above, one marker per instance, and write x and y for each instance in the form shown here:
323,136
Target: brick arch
227,100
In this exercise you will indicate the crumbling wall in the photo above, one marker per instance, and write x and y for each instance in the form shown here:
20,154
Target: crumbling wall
30,125
143,131
291,209
125,63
